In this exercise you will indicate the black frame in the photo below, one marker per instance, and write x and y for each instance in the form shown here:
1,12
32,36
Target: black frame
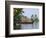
7,13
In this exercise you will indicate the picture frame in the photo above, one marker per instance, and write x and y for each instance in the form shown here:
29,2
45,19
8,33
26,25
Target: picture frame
10,5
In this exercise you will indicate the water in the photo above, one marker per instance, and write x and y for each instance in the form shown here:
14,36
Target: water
26,26
29,26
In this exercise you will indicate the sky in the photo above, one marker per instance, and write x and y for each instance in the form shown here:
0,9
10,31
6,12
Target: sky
29,11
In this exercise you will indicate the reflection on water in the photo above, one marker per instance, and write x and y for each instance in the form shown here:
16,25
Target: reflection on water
26,26
30,26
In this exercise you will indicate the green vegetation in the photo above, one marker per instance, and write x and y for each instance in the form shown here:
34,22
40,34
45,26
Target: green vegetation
18,13
34,19
17,16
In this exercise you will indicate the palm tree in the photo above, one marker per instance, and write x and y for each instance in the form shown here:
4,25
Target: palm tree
17,13
36,22
17,16
32,18
36,19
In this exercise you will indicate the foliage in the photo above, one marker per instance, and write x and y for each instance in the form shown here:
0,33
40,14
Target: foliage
17,13
34,19
17,16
